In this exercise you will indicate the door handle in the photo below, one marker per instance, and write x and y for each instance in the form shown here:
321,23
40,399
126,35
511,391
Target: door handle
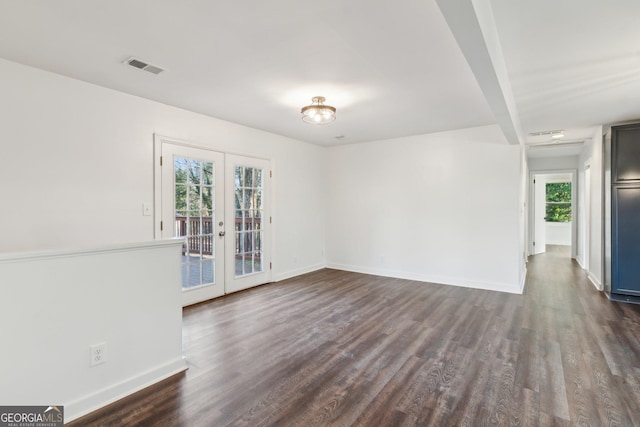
221,234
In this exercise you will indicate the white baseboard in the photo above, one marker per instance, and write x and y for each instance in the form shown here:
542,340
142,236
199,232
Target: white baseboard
452,281
523,282
87,404
293,273
595,281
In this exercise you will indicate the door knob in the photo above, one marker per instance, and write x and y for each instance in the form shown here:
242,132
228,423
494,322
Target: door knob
221,234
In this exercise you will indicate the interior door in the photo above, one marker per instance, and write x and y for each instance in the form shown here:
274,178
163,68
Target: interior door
248,261
192,204
539,208
587,215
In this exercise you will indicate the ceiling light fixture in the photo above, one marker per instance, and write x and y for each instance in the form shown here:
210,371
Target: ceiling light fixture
318,113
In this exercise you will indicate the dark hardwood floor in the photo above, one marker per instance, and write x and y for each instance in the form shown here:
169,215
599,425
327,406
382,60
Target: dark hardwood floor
345,349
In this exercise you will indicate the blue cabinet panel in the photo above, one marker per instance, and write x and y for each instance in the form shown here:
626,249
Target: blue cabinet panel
625,244
625,154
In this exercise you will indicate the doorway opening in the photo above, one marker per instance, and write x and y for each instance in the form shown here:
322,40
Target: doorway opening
553,213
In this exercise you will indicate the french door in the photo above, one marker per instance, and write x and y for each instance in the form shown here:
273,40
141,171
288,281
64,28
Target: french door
247,210
219,205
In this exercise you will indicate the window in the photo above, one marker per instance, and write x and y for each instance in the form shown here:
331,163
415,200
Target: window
248,222
558,197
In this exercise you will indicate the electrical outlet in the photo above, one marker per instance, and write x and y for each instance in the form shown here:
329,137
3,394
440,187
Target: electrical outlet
98,354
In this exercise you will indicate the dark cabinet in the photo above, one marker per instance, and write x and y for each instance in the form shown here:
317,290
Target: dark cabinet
625,154
625,212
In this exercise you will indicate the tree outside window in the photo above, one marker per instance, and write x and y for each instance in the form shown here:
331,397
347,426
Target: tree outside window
558,199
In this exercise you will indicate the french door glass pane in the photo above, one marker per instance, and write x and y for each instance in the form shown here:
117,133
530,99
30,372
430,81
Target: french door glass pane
194,220
249,192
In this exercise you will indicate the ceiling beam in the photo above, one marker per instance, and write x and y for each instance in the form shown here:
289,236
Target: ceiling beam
473,26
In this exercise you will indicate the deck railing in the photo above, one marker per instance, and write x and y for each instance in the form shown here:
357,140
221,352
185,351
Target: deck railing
200,233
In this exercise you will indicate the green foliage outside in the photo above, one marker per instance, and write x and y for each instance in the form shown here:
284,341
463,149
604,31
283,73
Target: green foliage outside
194,195
558,197
193,187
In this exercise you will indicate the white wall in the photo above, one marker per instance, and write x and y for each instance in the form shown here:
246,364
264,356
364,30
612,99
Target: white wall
442,208
558,233
582,213
596,245
553,163
524,215
77,164
584,205
56,304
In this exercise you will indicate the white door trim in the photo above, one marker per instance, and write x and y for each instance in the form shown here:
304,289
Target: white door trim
587,215
574,216
268,243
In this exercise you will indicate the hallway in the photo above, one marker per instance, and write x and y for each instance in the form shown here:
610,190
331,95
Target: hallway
589,344
340,348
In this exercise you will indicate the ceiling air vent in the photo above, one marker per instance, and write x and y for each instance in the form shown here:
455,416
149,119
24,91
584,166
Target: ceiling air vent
547,132
141,65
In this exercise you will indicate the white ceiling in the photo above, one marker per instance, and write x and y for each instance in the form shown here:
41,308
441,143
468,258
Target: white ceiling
391,69
572,63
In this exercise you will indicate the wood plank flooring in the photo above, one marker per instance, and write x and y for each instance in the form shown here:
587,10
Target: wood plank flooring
334,348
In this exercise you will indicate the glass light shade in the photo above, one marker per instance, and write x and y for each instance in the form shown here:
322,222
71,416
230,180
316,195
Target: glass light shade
318,113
